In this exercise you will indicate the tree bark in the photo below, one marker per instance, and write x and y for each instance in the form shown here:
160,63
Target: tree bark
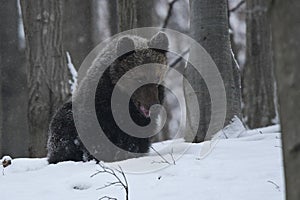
285,34
136,14
13,81
258,79
127,15
209,26
113,17
78,29
46,67
1,108
146,13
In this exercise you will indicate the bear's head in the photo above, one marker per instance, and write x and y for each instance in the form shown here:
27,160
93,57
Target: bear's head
150,52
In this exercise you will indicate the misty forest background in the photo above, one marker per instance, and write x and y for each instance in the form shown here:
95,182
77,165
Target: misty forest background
251,42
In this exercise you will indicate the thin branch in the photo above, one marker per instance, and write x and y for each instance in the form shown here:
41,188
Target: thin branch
177,60
169,13
119,182
237,6
160,162
172,156
226,137
108,198
124,177
165,160
276,186
109,184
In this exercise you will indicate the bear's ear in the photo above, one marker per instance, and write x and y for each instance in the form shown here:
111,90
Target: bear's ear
159,41
125,45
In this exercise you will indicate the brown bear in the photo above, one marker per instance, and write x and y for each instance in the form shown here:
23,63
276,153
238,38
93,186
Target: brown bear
64,143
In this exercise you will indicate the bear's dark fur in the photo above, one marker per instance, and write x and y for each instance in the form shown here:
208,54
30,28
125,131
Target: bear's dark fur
64,143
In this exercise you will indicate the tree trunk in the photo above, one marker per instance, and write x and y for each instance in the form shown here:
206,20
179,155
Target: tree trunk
209,26
113,17
127,15
285,34
13,81
1,108
77,29
146,13
46,67
258,79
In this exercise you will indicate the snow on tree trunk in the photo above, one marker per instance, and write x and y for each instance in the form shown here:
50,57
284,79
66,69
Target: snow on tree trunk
46,67
209,27
285,34
258,77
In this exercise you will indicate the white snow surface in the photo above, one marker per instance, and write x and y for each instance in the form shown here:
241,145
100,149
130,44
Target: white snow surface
245,168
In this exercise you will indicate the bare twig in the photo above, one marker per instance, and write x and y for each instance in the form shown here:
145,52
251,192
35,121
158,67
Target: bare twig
276,186
124,177
169,13
123,183
108,198
164,160
109,184
226,137
177,60
259,131
237,6
172,156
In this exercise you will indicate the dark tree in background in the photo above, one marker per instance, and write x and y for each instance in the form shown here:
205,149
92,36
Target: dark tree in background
47,73
146,13
136,14
77,29
258,75
127,15
285,34
113,16
1,110
209,26
14,140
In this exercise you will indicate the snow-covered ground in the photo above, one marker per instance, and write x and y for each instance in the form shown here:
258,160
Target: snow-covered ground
248,167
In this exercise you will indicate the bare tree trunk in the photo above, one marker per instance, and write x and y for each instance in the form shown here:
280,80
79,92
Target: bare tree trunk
127,14
113,17
258,81
209,27
1,108
285,34
146,13
13,81
46,66
78,29
136,14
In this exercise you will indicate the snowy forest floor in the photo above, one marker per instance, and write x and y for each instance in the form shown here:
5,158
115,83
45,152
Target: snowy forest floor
244,168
